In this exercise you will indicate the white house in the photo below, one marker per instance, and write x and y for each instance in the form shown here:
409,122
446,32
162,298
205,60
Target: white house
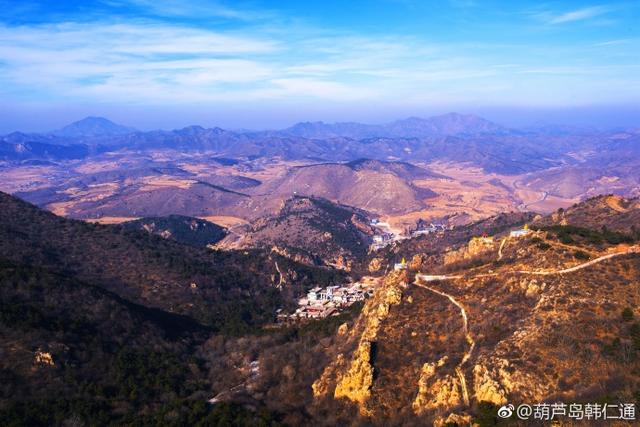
400,265
521,232
314,294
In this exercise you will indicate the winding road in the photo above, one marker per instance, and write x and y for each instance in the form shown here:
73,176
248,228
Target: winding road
463,312
522,207
433,278
468,337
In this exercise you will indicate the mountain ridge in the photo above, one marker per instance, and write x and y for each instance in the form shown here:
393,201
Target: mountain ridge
92,126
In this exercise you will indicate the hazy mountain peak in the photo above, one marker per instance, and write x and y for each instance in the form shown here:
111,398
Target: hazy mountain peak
92,126
445,124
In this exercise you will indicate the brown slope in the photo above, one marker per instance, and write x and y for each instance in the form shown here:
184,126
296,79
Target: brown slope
193,198
614,212
587,180
533,337
315,230
380,187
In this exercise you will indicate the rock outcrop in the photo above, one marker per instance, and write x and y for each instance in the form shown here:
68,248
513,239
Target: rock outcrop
43,358
486,388
353,379
476,246
436,393
355,384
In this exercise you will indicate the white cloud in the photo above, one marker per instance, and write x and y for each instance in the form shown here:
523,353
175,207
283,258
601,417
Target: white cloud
614,42
578,15
159,63
191,8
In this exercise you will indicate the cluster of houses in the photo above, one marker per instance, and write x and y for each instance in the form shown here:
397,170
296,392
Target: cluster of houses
324,302
381,240
385,237
430,228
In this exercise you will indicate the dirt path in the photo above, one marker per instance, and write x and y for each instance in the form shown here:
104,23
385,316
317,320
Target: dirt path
281,282
433,278
522,207
463,312
468,337
581,266
501,246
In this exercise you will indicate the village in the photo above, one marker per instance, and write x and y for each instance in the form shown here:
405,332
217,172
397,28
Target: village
385,234
320,303
329,301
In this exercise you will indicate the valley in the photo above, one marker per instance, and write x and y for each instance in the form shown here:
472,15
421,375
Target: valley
427,275
457,167
389,213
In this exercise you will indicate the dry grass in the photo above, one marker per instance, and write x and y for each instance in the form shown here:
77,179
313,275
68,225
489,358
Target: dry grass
112,219
225,221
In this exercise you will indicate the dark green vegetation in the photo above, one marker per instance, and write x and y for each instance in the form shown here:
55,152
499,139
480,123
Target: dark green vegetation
188,230
109,327
228,291
108,356
540,243
569,234
487,415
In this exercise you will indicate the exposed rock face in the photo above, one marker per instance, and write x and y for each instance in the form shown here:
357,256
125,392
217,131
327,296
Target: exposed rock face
417,262
355,384
353,379
533,288
436,393
43,358
322,385
343,329
296,256
486,388
375,265
476,246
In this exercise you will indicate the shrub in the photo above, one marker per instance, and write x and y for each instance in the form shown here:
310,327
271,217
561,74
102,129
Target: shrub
543,246
627,314
581,255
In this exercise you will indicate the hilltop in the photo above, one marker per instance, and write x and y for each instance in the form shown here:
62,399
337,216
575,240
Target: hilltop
612,212
376,186
188,230
93,127
314,230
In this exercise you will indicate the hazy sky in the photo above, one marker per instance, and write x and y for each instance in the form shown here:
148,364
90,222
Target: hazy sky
267,64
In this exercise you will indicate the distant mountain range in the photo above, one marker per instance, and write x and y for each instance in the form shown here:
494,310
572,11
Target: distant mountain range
450,137
451,124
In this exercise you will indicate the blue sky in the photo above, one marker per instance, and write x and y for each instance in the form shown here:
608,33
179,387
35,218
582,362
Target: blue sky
267,64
